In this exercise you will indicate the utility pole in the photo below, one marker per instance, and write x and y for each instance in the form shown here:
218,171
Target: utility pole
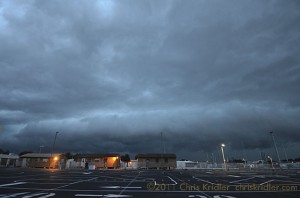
52,149
273,138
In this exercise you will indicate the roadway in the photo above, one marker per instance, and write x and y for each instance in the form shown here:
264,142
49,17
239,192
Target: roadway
43,183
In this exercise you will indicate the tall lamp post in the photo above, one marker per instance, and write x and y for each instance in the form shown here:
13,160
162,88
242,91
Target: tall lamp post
276,150
222,149
54,143
42,146
271,161
53,148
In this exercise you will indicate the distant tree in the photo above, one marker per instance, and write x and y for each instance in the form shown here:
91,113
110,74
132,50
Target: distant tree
2,151
237,161
125,158
297,159
68,155
24,152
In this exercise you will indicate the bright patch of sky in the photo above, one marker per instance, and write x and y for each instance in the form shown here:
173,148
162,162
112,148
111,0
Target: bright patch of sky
2,19
106,7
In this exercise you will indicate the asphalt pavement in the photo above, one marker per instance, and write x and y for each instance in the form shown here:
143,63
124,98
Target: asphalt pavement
43,183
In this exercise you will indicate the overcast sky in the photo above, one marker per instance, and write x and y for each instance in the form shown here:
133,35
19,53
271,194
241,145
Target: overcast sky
110,76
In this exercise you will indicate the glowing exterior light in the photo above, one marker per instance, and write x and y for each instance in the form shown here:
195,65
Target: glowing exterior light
115,158
222,149
55,158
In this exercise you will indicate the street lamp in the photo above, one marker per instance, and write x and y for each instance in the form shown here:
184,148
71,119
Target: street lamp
222,149
54,143
52,148
41,148
275,146
271,161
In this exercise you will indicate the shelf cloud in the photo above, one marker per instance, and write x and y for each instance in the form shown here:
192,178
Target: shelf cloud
111,76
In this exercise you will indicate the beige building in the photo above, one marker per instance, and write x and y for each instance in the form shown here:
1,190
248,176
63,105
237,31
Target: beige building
43,160
156,161
8,160
105,161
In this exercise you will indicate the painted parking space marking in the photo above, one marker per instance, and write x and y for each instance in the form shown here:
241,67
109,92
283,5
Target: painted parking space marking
49,195
198,179
37,195
246,179
113,187
132,187
233,176
266,182
95,185
80,181
126,179
12,184
121,187
175,183
13,195
34,195
215,196
130,183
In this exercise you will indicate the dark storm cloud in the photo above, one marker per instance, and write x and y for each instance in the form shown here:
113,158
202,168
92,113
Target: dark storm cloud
111,75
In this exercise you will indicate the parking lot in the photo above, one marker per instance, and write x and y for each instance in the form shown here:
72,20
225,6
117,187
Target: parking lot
42,183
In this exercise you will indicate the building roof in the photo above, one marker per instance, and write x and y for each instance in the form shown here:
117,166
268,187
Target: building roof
94,155
156,155
40,155
10,156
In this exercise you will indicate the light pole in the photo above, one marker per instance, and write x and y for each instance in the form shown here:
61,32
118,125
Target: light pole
271,161
53,148
222,149
54,143
276,150
41,148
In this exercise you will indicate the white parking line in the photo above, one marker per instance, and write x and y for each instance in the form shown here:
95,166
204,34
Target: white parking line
113,187
14,195
33,195
121,187
176,177
130,183
203,180
233,176
132,187
267,182
175,183
242,180
49,195
77,182
12,184
87,195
